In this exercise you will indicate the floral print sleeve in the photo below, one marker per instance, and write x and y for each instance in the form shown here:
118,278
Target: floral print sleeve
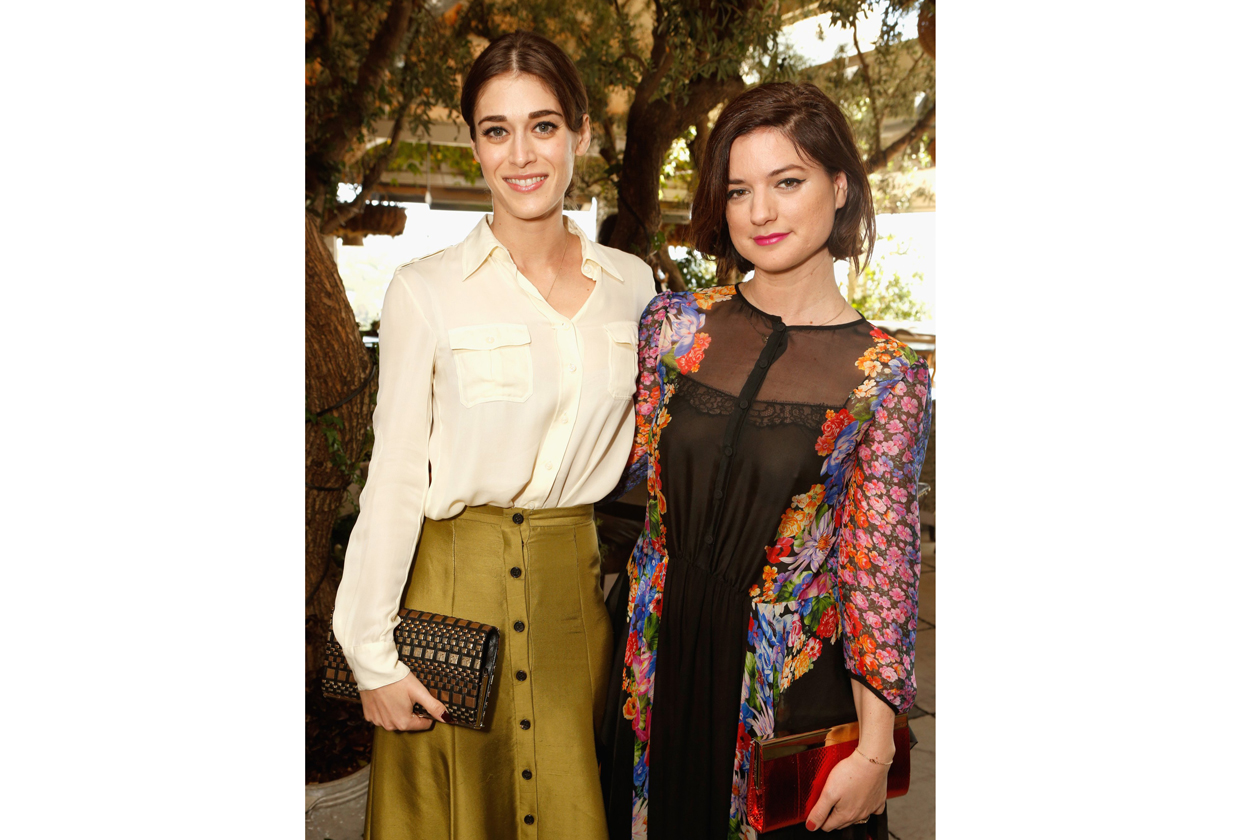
878,560
647,397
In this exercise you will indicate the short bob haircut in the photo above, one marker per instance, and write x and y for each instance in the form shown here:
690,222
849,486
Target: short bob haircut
532,54
818,129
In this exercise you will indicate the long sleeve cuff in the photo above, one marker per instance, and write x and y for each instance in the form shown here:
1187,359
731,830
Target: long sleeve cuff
375,665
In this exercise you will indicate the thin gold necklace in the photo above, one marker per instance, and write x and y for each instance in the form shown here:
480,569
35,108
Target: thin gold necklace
563,254
843,305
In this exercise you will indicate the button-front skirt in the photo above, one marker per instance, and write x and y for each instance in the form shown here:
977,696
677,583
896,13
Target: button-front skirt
532,773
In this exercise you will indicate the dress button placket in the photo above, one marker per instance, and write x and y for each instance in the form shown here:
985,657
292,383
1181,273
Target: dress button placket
521,695
748,393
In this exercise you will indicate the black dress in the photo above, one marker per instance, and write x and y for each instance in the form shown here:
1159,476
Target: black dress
740,438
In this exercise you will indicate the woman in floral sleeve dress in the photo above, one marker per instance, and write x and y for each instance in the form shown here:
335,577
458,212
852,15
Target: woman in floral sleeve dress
774,589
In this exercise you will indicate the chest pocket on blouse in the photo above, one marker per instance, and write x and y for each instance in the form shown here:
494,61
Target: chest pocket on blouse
622,358
492,362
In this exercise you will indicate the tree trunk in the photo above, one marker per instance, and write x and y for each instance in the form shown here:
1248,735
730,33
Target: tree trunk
649,132
336,365
651,126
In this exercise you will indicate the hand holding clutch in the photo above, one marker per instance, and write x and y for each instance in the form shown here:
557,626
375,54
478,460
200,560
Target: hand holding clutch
790,773
452,663
392,706
854,791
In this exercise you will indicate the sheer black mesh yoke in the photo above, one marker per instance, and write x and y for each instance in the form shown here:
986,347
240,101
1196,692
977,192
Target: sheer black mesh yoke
735,500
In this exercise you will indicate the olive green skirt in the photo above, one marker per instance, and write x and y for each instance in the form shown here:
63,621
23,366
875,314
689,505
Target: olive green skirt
532,772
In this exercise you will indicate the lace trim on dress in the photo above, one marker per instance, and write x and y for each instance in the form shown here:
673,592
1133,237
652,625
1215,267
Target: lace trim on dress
708,400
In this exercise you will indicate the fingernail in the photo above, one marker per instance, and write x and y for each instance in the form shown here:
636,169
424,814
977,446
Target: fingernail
446,717
809,825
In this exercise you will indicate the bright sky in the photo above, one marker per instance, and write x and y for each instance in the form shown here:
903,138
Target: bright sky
803,35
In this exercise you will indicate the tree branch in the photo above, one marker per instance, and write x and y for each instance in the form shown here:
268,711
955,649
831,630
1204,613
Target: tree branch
881,158
370,178
348,121
870,87
608,146
897,89
704,95
661,59
637,58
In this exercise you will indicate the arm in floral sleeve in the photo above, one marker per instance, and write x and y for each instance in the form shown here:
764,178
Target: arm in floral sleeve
647,396
879,539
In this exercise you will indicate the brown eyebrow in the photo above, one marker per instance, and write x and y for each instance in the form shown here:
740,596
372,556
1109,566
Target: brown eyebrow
533,116
778,171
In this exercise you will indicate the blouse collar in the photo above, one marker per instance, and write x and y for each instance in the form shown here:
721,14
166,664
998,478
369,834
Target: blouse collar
481,243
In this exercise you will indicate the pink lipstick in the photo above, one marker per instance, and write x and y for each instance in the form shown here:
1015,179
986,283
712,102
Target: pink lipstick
770,238
525,183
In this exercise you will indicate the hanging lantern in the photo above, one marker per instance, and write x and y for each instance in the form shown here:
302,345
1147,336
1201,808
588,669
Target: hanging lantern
376,220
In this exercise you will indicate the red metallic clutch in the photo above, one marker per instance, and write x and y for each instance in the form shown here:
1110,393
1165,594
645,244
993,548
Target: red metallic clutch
788,773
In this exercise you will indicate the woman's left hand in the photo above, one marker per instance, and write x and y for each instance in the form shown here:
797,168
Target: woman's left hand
855,790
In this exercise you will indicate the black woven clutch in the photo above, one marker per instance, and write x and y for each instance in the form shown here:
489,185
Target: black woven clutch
453,657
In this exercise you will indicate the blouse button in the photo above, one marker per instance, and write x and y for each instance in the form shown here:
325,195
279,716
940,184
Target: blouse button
728,450
743,403
489,339
529,819
518,518
564,419
780,327
516,571
763,364
526,775
518,626
525,724
708,539
520,676
572,368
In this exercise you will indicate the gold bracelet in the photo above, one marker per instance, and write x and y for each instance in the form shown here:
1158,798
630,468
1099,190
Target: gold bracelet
871,760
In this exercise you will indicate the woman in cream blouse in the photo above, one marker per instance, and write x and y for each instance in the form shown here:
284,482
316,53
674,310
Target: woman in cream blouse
507,372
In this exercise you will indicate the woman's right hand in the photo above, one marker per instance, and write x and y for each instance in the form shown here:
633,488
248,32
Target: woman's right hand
390,706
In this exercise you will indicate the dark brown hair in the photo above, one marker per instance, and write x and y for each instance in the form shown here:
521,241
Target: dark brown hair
820,133
526,52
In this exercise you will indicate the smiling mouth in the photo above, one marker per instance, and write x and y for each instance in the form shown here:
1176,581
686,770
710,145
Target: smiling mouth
770,238
526,184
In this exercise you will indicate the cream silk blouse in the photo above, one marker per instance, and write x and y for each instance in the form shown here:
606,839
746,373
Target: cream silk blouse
509,402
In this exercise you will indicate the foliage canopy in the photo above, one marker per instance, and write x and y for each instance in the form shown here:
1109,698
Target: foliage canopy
654,73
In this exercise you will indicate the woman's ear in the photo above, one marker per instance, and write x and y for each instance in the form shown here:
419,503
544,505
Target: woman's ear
584,136
842,189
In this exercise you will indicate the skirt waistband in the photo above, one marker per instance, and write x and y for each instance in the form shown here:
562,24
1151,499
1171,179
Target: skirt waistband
576,515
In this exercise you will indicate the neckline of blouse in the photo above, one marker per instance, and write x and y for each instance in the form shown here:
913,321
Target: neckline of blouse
861,319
